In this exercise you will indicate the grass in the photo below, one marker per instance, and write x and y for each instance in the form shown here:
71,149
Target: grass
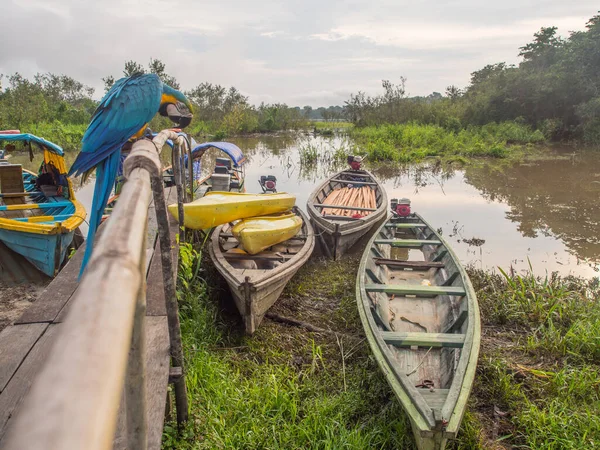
415,142
331,125
536,386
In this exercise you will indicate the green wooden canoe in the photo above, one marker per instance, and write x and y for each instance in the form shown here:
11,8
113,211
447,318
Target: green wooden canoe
421,319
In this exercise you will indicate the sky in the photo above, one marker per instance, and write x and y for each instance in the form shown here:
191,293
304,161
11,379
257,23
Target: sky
299,52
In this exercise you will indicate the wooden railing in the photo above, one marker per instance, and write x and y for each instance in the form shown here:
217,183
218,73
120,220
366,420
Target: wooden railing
99,352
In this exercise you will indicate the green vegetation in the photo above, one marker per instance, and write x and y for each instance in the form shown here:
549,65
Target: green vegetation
285,387
56,107
554,89
59,108
539,364
413,142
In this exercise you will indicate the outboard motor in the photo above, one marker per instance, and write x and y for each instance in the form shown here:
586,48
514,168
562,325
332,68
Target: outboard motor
355,161
268,183
400,207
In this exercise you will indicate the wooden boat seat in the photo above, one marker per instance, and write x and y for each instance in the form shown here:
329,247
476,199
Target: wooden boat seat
407,243
11,182
418,290
415,339
435,398
415,265
405,225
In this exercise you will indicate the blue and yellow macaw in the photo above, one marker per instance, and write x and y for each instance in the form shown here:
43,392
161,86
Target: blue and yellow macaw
123,114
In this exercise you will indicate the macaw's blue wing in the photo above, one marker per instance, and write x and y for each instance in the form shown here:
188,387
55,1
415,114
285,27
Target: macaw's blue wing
126,108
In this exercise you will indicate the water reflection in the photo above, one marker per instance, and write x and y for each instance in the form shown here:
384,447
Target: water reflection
494,213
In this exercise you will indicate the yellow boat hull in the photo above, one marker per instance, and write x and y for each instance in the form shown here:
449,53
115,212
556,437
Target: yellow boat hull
259,233
217,208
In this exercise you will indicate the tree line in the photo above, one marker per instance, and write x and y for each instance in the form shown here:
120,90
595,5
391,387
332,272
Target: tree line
555,89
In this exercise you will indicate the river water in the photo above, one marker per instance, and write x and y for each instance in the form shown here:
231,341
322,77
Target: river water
542,213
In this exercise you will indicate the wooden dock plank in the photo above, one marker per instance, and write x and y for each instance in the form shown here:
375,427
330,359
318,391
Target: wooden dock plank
416,339
52,300
19,385
406,289
157,379
15,344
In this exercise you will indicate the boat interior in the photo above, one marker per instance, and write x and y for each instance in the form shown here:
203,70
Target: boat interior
268,259
419,304
24,194
345,179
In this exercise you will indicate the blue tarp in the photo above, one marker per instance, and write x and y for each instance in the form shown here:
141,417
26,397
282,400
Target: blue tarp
232,150
26,137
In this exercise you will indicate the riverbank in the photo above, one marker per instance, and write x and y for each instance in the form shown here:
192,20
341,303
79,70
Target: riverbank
413,142
287,387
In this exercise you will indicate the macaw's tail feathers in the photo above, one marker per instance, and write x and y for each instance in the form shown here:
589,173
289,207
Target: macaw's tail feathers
106,173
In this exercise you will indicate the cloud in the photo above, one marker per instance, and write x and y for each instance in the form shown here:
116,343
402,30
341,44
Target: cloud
309,52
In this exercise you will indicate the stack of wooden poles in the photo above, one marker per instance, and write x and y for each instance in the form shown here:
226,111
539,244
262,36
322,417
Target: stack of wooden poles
361,197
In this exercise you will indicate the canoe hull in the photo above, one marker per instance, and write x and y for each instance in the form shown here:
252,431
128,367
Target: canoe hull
338,236
45,251
255,291
421,319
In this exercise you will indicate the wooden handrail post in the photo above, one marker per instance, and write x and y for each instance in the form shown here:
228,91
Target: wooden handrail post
162,219
177,176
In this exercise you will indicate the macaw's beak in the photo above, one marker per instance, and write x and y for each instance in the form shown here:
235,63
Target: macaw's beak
177,115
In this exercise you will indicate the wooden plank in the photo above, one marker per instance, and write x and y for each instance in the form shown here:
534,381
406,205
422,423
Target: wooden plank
434,398
458,322
52,300
406,289
19,385
366,183
15,344
406,225
157,380
415,339
353,208
345,218
407,243
155,289
407,264
451,279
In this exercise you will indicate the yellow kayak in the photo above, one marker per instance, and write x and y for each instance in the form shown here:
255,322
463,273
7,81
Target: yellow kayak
259,233
217,208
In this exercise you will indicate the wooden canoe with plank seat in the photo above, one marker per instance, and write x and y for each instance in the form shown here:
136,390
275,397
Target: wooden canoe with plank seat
338,233
421,319
256,281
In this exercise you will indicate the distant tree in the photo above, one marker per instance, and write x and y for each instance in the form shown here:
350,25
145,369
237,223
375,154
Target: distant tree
158,67
155,66
453,92
108,82
132,67
307,111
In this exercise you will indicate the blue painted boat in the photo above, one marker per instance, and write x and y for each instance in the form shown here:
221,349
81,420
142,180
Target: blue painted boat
39,218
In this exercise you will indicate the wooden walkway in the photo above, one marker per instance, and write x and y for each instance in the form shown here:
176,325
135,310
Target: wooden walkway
24,346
